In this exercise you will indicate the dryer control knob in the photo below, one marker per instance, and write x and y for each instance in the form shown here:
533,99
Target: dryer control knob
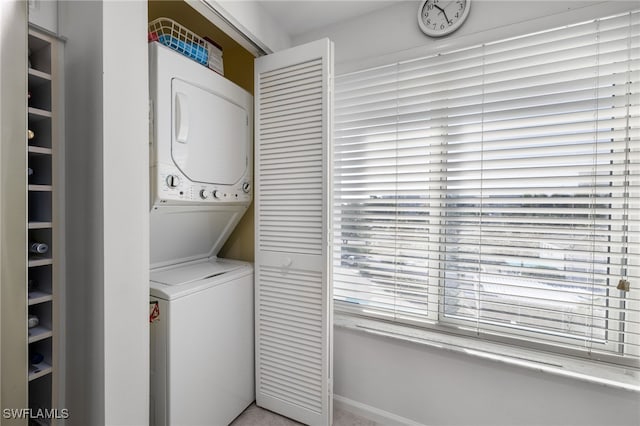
246,187
173,181
215,193
204,194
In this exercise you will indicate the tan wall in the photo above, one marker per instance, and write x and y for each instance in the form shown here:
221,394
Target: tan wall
238,62
238,67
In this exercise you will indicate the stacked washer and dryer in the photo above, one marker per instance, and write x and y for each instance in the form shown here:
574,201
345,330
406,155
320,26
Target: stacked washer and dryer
202,350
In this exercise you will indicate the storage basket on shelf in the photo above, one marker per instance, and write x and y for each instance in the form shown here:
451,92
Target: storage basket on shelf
177,37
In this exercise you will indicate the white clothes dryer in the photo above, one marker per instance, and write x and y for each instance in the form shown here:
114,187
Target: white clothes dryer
201,134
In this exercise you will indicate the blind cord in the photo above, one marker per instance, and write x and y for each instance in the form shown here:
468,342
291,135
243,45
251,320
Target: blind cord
594,185
627,160
481,212
623,284
395,238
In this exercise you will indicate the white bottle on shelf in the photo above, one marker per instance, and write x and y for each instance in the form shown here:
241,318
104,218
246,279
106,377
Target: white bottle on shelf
38,248
33,321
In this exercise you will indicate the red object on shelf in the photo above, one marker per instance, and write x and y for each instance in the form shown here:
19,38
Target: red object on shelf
152,36
155,312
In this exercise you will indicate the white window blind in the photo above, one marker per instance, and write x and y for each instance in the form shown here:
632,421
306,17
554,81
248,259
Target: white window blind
494,191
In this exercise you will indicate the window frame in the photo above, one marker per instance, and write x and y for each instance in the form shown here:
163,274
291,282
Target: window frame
491,335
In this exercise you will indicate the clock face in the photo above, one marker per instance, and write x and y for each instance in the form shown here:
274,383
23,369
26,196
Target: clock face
437,18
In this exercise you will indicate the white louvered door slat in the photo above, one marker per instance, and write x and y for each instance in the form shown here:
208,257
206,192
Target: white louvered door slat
292,265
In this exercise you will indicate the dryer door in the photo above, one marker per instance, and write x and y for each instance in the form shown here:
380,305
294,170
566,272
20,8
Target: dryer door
209,135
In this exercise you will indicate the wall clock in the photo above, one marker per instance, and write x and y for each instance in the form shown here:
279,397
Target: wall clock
438,18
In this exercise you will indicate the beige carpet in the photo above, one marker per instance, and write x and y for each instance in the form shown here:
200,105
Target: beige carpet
256,416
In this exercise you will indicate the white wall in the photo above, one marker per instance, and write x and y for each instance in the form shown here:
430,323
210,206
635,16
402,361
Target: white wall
44,14
125,160
434,386
81,23
107,211
393,34
254,22
438,387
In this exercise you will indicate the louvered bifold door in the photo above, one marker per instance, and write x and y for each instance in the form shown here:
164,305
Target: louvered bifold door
292,265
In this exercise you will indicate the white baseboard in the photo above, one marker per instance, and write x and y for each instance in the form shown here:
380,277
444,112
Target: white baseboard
371,413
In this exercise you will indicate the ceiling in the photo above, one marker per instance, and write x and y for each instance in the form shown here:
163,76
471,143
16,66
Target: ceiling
297,17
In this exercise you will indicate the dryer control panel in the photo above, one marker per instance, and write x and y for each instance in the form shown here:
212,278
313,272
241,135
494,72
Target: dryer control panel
173,187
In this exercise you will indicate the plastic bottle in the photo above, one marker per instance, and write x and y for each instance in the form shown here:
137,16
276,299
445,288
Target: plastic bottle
38,248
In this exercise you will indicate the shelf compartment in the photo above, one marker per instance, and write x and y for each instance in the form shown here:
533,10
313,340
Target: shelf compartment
41,235
41,168
42,350
39,150
44,328
37,297
40,399
40,90
36,76
40,225
37,114
40,204
35,261
39,262
39,333
38,370
39,286
46,188
40,54
41,127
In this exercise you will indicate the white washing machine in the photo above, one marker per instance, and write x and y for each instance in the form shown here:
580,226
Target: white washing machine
202,342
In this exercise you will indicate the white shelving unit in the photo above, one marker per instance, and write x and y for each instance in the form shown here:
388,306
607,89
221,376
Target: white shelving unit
44,213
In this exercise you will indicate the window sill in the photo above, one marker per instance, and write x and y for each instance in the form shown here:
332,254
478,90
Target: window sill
594,372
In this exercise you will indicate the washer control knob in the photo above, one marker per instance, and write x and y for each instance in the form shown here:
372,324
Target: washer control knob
246,187
173,181
204,194
216,193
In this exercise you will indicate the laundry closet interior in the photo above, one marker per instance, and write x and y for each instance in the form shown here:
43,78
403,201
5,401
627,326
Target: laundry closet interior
171,228
139,197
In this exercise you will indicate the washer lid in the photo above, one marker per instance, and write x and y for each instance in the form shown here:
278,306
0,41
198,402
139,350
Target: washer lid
184,233
192,272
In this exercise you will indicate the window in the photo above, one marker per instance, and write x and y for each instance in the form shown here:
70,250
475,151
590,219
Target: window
494,191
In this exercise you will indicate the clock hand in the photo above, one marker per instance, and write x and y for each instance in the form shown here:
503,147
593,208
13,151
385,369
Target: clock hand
443,12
